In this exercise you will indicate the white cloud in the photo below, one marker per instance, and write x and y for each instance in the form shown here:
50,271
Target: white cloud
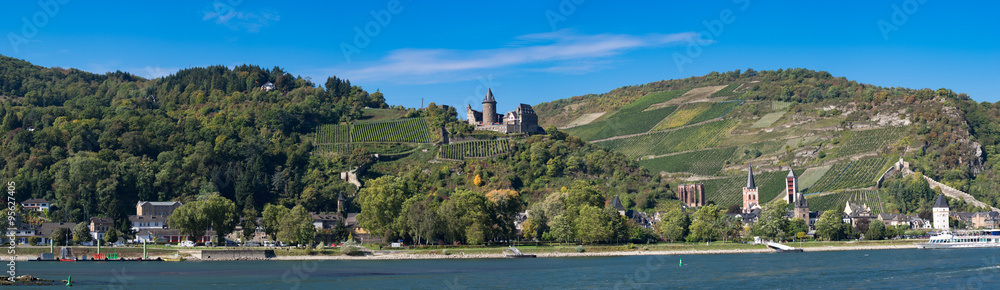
152,72
555,52
229,16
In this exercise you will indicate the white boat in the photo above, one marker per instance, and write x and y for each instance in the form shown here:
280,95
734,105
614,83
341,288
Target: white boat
965,239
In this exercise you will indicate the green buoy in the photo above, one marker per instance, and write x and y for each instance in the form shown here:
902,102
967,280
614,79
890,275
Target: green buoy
69,280
680,262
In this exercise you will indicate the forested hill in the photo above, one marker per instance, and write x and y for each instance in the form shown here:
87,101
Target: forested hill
96,144
838,135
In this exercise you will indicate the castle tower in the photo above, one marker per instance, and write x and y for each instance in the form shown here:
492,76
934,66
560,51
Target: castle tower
801,208
791,187
941,213
750,194
489,108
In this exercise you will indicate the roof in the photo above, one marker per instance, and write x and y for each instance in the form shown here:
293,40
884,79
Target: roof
101,220
352,219
891,216
791,174
166,232
750,183
146,218
800,200
35,200
941,202
489,97
617,203
47,228
341,197
321,217
525,109
167,203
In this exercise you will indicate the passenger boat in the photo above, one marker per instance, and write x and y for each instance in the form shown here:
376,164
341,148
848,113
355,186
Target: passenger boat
964,239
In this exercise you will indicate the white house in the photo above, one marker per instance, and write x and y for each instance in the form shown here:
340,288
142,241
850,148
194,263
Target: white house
147,222
35,204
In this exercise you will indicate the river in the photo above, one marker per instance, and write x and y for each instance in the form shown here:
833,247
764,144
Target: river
906,268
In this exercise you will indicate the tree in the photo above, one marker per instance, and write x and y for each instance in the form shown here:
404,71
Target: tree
272,219
772,222
297,227
60,236
674,226
862,225
82,233
249,224
111,236
831,225
797,225
876,231
381,200
221,214
704,227
421,219
190,219
593,225
562,228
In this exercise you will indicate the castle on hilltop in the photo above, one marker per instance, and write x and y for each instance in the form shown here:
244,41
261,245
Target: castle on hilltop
521,120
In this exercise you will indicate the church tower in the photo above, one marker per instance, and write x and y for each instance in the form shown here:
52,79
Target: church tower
941,213
801,208
791,187
489,108
750,194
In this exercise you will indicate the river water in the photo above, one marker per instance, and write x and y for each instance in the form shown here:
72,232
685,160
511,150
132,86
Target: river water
907,268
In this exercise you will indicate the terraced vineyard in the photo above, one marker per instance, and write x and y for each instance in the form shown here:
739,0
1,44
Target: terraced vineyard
326,134
632,119
348,148
689,138
633,123
683,116
857,142
837,201
717,110
725,92
729,191
780,106
856,174
809,178
474,149
406,130
705,162
768,120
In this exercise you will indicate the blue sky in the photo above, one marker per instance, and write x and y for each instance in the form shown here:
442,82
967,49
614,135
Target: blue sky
449,52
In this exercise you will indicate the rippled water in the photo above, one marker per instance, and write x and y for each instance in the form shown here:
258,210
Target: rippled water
910,268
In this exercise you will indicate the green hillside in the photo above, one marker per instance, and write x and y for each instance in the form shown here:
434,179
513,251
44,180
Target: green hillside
842,134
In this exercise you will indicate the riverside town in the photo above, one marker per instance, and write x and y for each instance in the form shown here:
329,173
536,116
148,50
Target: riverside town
558,144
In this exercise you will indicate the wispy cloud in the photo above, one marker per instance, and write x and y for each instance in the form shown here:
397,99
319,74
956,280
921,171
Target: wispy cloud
152,72
240,20
561,51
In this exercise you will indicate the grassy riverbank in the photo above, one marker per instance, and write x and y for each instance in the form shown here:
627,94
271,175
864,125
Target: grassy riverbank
542,250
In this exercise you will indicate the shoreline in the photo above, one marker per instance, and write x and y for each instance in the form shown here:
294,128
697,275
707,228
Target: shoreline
410,256
461,255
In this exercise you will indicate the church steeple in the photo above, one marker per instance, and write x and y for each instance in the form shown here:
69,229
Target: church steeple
750,183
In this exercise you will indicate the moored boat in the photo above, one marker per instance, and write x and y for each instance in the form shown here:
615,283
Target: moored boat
964,239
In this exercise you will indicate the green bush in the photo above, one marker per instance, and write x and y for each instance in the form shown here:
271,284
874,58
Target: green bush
579,249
